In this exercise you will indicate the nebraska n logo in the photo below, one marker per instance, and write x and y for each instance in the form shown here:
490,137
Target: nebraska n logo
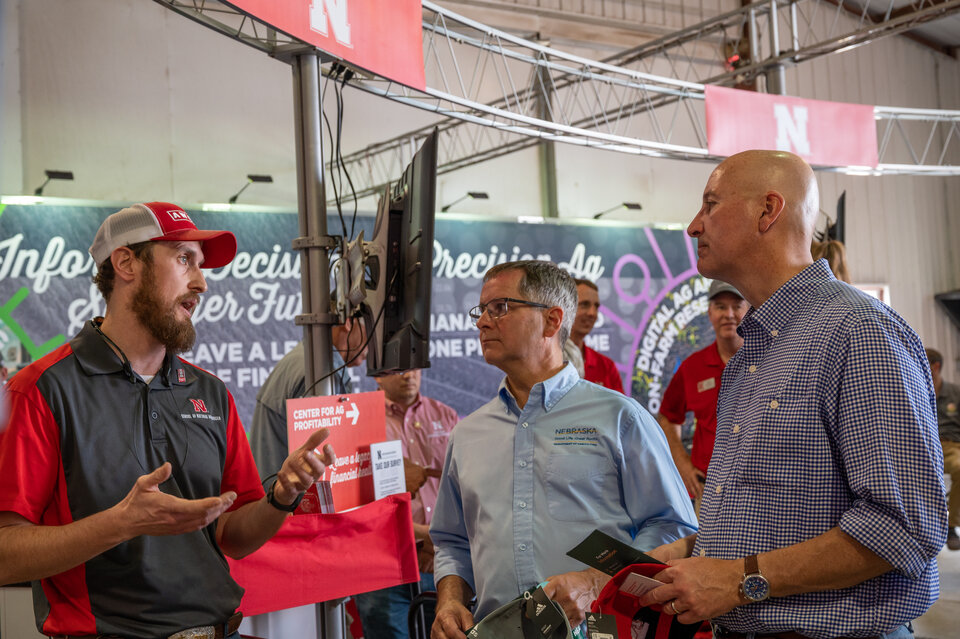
198,405
336,11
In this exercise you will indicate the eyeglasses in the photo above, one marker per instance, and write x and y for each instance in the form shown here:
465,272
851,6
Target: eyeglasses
498,307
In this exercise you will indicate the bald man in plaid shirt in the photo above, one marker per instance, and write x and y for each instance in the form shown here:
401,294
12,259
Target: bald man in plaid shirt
824,508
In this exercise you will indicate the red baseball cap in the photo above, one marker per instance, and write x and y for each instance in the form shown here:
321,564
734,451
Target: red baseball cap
160,221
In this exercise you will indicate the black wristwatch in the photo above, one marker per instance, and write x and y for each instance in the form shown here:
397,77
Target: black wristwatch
754,586
284,507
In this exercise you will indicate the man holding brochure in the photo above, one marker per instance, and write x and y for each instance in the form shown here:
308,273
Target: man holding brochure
824,508
549,459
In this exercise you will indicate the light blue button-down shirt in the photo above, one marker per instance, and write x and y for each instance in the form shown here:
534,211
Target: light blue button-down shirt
826,418
521,487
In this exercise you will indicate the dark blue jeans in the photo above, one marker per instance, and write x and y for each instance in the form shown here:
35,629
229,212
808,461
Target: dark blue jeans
384,612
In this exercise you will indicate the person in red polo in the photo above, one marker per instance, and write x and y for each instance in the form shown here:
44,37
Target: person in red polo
125,474
696,386
597,368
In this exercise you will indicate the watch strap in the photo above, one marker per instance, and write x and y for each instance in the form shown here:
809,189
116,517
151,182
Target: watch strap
751,566
272,500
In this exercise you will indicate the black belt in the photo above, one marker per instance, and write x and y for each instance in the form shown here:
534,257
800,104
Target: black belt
219,631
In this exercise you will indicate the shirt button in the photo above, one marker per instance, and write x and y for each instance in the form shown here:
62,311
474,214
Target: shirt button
429,509
523,464
522,504
774,403
719,488
736,428
752,369
702,553
522,546
154,415
774,333
524,424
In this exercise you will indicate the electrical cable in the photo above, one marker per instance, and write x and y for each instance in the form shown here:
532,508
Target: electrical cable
334,71
343,167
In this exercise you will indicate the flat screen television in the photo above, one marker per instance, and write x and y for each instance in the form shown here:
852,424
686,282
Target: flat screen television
398,268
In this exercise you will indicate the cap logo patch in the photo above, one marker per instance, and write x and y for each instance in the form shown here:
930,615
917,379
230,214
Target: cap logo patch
179,216
198,405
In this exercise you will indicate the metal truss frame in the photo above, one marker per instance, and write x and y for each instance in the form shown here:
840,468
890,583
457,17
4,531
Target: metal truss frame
517,93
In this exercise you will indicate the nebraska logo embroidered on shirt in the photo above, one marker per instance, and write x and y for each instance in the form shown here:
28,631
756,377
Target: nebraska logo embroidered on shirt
198,405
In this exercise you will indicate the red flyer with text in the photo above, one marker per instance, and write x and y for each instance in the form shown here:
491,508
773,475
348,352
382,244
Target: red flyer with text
355,422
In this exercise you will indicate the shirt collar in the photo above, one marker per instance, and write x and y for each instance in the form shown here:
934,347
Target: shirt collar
95,357
777,312
546,393
398,410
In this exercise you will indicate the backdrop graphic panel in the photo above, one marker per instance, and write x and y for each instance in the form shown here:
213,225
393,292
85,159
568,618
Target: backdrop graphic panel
653,301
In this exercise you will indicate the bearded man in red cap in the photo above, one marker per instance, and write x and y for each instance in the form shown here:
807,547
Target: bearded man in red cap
125,474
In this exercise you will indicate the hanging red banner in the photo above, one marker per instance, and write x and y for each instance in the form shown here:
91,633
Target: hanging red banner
384,38
822,133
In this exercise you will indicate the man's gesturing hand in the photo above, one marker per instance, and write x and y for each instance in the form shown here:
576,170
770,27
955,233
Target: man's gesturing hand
303,467
148,511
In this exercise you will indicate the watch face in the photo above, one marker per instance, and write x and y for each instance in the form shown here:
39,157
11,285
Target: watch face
756,587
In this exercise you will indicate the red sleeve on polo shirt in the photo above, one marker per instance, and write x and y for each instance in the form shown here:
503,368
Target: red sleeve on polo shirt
600,369
239,470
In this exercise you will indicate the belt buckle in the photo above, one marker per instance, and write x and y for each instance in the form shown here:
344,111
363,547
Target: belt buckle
200,632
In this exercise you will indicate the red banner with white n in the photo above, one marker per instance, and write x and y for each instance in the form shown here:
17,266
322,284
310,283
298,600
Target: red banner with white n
822,133
382,36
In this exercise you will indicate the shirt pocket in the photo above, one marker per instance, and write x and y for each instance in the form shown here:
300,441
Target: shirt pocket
787,444
579,487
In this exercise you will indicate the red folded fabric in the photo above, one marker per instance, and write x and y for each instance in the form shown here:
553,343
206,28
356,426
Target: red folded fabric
316,558
625,606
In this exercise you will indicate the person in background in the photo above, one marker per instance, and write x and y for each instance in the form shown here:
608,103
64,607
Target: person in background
547,461
597,368
836,255
268,430
423,426
824,508
125,473
695,387
948,421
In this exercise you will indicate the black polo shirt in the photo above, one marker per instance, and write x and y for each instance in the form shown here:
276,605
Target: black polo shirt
83,428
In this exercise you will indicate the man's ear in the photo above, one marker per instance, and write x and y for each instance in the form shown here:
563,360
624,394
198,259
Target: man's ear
773,205
125,263
554,318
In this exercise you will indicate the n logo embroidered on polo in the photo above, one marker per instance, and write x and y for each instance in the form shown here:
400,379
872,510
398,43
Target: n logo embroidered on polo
198,405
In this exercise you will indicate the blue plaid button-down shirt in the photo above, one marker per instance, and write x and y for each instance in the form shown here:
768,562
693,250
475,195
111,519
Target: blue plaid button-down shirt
827,418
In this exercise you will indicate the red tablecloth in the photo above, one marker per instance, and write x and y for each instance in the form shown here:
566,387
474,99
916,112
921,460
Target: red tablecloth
316,558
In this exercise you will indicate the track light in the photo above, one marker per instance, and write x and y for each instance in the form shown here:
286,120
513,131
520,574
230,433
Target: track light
476,195
632,206
52,175
251,178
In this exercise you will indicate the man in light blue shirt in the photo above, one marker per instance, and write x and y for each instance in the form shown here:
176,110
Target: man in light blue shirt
551,458
824,508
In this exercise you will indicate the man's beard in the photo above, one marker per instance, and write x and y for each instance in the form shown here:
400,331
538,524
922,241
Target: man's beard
176,335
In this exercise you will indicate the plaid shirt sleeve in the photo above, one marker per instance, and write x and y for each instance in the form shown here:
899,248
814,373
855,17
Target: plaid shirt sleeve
883,426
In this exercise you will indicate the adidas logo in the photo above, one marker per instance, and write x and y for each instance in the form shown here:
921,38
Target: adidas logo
540,608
